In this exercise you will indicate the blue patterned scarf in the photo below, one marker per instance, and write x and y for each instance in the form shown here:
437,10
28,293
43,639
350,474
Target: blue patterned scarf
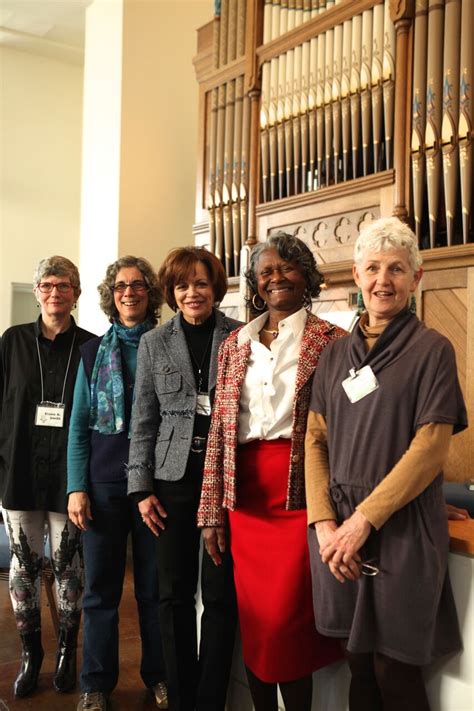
107,413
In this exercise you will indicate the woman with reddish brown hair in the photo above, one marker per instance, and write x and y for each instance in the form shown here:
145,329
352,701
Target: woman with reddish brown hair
174,391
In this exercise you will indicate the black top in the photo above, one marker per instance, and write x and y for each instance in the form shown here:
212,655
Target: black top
199,340
33,458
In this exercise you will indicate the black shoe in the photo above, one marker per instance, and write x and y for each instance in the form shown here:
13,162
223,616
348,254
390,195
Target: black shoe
65,675
31,660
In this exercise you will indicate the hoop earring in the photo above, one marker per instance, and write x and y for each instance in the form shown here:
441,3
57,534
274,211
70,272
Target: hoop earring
258,308
360,303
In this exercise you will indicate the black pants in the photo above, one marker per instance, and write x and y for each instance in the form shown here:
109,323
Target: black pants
195,681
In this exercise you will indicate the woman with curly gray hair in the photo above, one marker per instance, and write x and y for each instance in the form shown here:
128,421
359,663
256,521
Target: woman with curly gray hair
97,485
253,473
38,364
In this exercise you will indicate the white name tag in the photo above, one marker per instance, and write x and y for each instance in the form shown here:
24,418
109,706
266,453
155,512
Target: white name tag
360,383
50,415
203,405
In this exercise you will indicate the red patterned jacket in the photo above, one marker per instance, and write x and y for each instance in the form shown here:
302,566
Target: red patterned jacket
218,487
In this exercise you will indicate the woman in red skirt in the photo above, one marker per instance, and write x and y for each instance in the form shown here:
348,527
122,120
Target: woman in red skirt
254,472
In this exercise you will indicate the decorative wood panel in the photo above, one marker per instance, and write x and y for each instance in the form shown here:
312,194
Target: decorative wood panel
446,307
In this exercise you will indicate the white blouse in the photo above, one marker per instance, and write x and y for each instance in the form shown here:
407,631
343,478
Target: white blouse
268,391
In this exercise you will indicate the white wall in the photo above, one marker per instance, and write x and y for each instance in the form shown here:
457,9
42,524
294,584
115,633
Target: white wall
40,151
40,147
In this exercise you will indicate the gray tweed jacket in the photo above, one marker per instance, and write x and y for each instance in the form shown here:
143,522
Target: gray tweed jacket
165,402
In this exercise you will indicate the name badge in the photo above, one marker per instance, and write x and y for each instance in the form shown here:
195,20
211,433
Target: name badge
49,414
360,383
203,405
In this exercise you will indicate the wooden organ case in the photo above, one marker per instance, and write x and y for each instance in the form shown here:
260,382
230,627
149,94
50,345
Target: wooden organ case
318,116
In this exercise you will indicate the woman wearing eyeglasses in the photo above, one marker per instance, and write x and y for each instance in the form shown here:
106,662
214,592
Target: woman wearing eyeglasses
97,486
38,365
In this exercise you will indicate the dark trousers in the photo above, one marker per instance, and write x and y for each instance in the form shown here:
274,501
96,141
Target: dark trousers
105,553
194,681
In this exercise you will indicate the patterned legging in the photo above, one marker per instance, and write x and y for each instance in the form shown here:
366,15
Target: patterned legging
26,533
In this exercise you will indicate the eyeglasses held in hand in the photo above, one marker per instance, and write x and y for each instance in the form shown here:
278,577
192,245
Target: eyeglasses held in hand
367,569
46,287
137,285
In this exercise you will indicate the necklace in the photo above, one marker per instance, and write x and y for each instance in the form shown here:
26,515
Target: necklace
199,366
273,332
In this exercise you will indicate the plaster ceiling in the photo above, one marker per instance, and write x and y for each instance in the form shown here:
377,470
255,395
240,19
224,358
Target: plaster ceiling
54,28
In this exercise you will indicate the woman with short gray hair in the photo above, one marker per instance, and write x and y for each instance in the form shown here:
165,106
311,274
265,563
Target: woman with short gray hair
38,367
385,403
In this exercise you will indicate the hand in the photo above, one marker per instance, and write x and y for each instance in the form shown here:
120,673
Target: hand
456,514
340,551
152,513
79,509
214,542
325,531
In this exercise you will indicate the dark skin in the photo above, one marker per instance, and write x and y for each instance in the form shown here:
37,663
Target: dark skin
282,285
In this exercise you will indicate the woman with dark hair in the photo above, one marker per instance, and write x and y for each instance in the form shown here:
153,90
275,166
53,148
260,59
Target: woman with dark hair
253,472
97,486
38,367
176,376
385,403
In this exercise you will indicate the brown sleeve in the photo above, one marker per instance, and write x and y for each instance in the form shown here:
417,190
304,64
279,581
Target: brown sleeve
316,469
421,463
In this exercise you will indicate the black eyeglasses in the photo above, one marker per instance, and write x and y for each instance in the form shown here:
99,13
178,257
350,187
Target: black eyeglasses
46,287
137,285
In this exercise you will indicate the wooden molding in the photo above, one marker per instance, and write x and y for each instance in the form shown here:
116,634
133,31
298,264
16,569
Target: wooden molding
461,255
312,28
341,190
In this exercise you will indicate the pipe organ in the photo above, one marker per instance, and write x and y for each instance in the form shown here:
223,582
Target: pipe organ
318,115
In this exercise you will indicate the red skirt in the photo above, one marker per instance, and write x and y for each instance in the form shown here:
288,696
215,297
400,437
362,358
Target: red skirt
272,570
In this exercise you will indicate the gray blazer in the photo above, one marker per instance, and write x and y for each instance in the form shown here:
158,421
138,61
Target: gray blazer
165,402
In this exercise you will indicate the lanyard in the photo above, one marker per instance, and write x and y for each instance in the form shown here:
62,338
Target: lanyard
67,369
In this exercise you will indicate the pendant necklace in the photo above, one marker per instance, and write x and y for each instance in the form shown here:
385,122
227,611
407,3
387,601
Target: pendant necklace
274,332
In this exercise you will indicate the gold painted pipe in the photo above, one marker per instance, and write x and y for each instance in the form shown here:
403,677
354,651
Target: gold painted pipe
328,75
466,118
365,85
336,101
449,124
356,59
223,49
434,107
345,100
388,74
376,81
418,113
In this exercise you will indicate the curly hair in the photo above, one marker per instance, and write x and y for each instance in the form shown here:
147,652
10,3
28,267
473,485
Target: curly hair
105,288
291,249
58,266
385,234
180,262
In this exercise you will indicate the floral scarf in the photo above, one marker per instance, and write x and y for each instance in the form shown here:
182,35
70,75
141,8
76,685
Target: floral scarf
107,413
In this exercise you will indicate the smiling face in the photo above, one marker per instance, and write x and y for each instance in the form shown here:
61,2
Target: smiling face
132,303
194,295
281,284
56,304
386,280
